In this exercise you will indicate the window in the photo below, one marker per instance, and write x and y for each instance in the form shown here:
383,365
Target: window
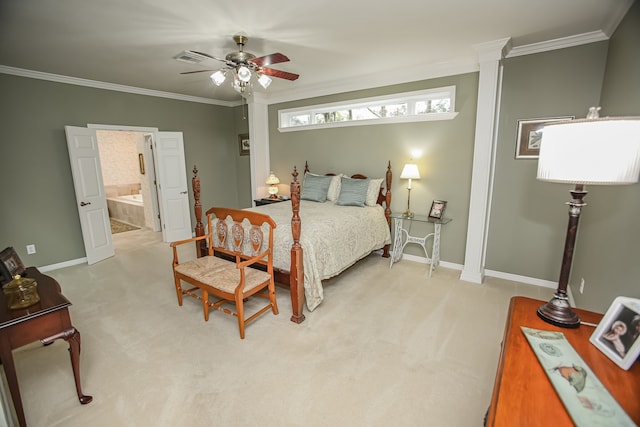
423,105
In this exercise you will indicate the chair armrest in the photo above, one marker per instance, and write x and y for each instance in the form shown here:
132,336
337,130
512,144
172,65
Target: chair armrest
174,246
191,240
252,260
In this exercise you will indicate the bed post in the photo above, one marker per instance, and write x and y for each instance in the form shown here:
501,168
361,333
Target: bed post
201,247
387,207
296,271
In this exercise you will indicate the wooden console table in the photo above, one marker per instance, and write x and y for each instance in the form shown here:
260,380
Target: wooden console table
522,393
47,321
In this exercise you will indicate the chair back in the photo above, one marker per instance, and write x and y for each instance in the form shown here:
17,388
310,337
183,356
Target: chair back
240,233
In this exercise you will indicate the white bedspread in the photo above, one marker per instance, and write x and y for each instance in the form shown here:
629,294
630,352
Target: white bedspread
332,237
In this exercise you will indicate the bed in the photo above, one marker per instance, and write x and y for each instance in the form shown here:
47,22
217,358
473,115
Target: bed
315,239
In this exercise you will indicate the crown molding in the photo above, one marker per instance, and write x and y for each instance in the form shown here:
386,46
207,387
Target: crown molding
549,45
109,86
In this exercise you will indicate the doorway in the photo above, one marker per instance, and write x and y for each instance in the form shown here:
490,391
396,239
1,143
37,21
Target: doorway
170,179
128,173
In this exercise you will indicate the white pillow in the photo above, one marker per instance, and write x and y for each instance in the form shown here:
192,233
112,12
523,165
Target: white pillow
334,188
373,191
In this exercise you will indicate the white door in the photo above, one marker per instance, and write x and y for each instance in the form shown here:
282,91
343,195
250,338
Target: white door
173,192
92,202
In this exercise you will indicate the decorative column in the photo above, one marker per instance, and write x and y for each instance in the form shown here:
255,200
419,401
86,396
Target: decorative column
489,55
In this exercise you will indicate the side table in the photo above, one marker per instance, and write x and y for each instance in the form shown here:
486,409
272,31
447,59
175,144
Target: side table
266,201
522,392
402,237
47,321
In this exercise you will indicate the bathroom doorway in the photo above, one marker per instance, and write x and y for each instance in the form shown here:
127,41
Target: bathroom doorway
128,173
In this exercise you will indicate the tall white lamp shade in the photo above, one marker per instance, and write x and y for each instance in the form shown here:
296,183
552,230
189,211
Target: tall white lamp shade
594,151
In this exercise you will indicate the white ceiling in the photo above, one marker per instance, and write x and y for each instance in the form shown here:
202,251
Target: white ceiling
333,45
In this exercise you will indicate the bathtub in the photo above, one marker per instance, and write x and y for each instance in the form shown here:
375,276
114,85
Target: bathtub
128,208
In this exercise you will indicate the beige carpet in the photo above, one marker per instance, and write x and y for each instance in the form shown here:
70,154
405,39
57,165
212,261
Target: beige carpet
385,348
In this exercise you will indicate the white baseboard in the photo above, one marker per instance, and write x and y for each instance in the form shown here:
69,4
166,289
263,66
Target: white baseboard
492,273
69,263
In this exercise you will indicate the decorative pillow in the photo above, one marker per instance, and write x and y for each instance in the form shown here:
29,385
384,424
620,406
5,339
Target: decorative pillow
315,187
373,191
334,188
353,192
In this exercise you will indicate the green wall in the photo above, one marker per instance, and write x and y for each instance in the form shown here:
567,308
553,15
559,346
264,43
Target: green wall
38,200
445,164
607,252
529,217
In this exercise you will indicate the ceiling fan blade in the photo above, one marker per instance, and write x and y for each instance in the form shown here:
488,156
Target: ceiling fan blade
198,71
226,61
280,74
274,58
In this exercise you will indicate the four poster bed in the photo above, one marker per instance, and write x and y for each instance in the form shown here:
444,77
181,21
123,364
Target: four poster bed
318,237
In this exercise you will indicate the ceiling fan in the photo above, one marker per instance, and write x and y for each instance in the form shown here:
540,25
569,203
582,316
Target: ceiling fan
244,65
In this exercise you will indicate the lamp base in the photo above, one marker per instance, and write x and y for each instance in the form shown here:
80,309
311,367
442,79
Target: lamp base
558,312
273,196
408,214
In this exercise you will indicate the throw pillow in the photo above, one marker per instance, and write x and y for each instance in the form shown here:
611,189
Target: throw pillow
353,192
315,187
334,188
373,191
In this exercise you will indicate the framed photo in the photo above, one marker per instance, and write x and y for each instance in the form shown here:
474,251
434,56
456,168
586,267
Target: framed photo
530,134
437,209
618,333
10,264
244,143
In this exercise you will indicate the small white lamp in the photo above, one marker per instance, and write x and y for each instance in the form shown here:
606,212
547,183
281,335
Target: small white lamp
594,151
273,182
410,171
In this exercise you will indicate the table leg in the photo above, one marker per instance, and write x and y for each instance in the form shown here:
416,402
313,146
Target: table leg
397,241
72,336
12,380
435,250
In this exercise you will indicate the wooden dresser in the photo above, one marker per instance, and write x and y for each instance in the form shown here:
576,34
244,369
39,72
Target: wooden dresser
522,393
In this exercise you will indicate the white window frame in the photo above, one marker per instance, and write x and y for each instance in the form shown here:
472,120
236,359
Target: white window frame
405,97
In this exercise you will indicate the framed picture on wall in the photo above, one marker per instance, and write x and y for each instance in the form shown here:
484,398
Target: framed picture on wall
618,333
530,134
244,143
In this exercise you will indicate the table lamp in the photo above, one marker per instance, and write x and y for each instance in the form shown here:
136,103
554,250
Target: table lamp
409,171
272,182
593,151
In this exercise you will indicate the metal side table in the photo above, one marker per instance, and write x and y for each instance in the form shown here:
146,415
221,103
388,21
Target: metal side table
402,237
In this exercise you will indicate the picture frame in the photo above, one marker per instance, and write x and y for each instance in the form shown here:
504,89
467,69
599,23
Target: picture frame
437,209
10,264
618,333
530,134
244,143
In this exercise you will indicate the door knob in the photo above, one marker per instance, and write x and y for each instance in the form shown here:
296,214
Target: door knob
183,192
85,203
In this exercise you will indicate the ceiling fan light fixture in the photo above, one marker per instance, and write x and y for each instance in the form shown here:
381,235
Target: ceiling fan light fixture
244,73
218,77
264,81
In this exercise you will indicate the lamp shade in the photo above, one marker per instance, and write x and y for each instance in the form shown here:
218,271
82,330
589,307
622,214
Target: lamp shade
410,171
272,179
591,151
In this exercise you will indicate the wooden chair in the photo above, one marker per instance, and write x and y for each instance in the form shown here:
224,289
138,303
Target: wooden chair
239,264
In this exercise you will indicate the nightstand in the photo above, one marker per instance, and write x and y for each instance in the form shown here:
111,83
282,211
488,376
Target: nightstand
266,201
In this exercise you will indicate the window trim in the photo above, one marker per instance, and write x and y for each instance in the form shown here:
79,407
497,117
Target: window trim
409,97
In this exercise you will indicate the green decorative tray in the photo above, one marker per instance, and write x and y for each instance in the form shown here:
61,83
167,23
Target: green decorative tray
586,399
